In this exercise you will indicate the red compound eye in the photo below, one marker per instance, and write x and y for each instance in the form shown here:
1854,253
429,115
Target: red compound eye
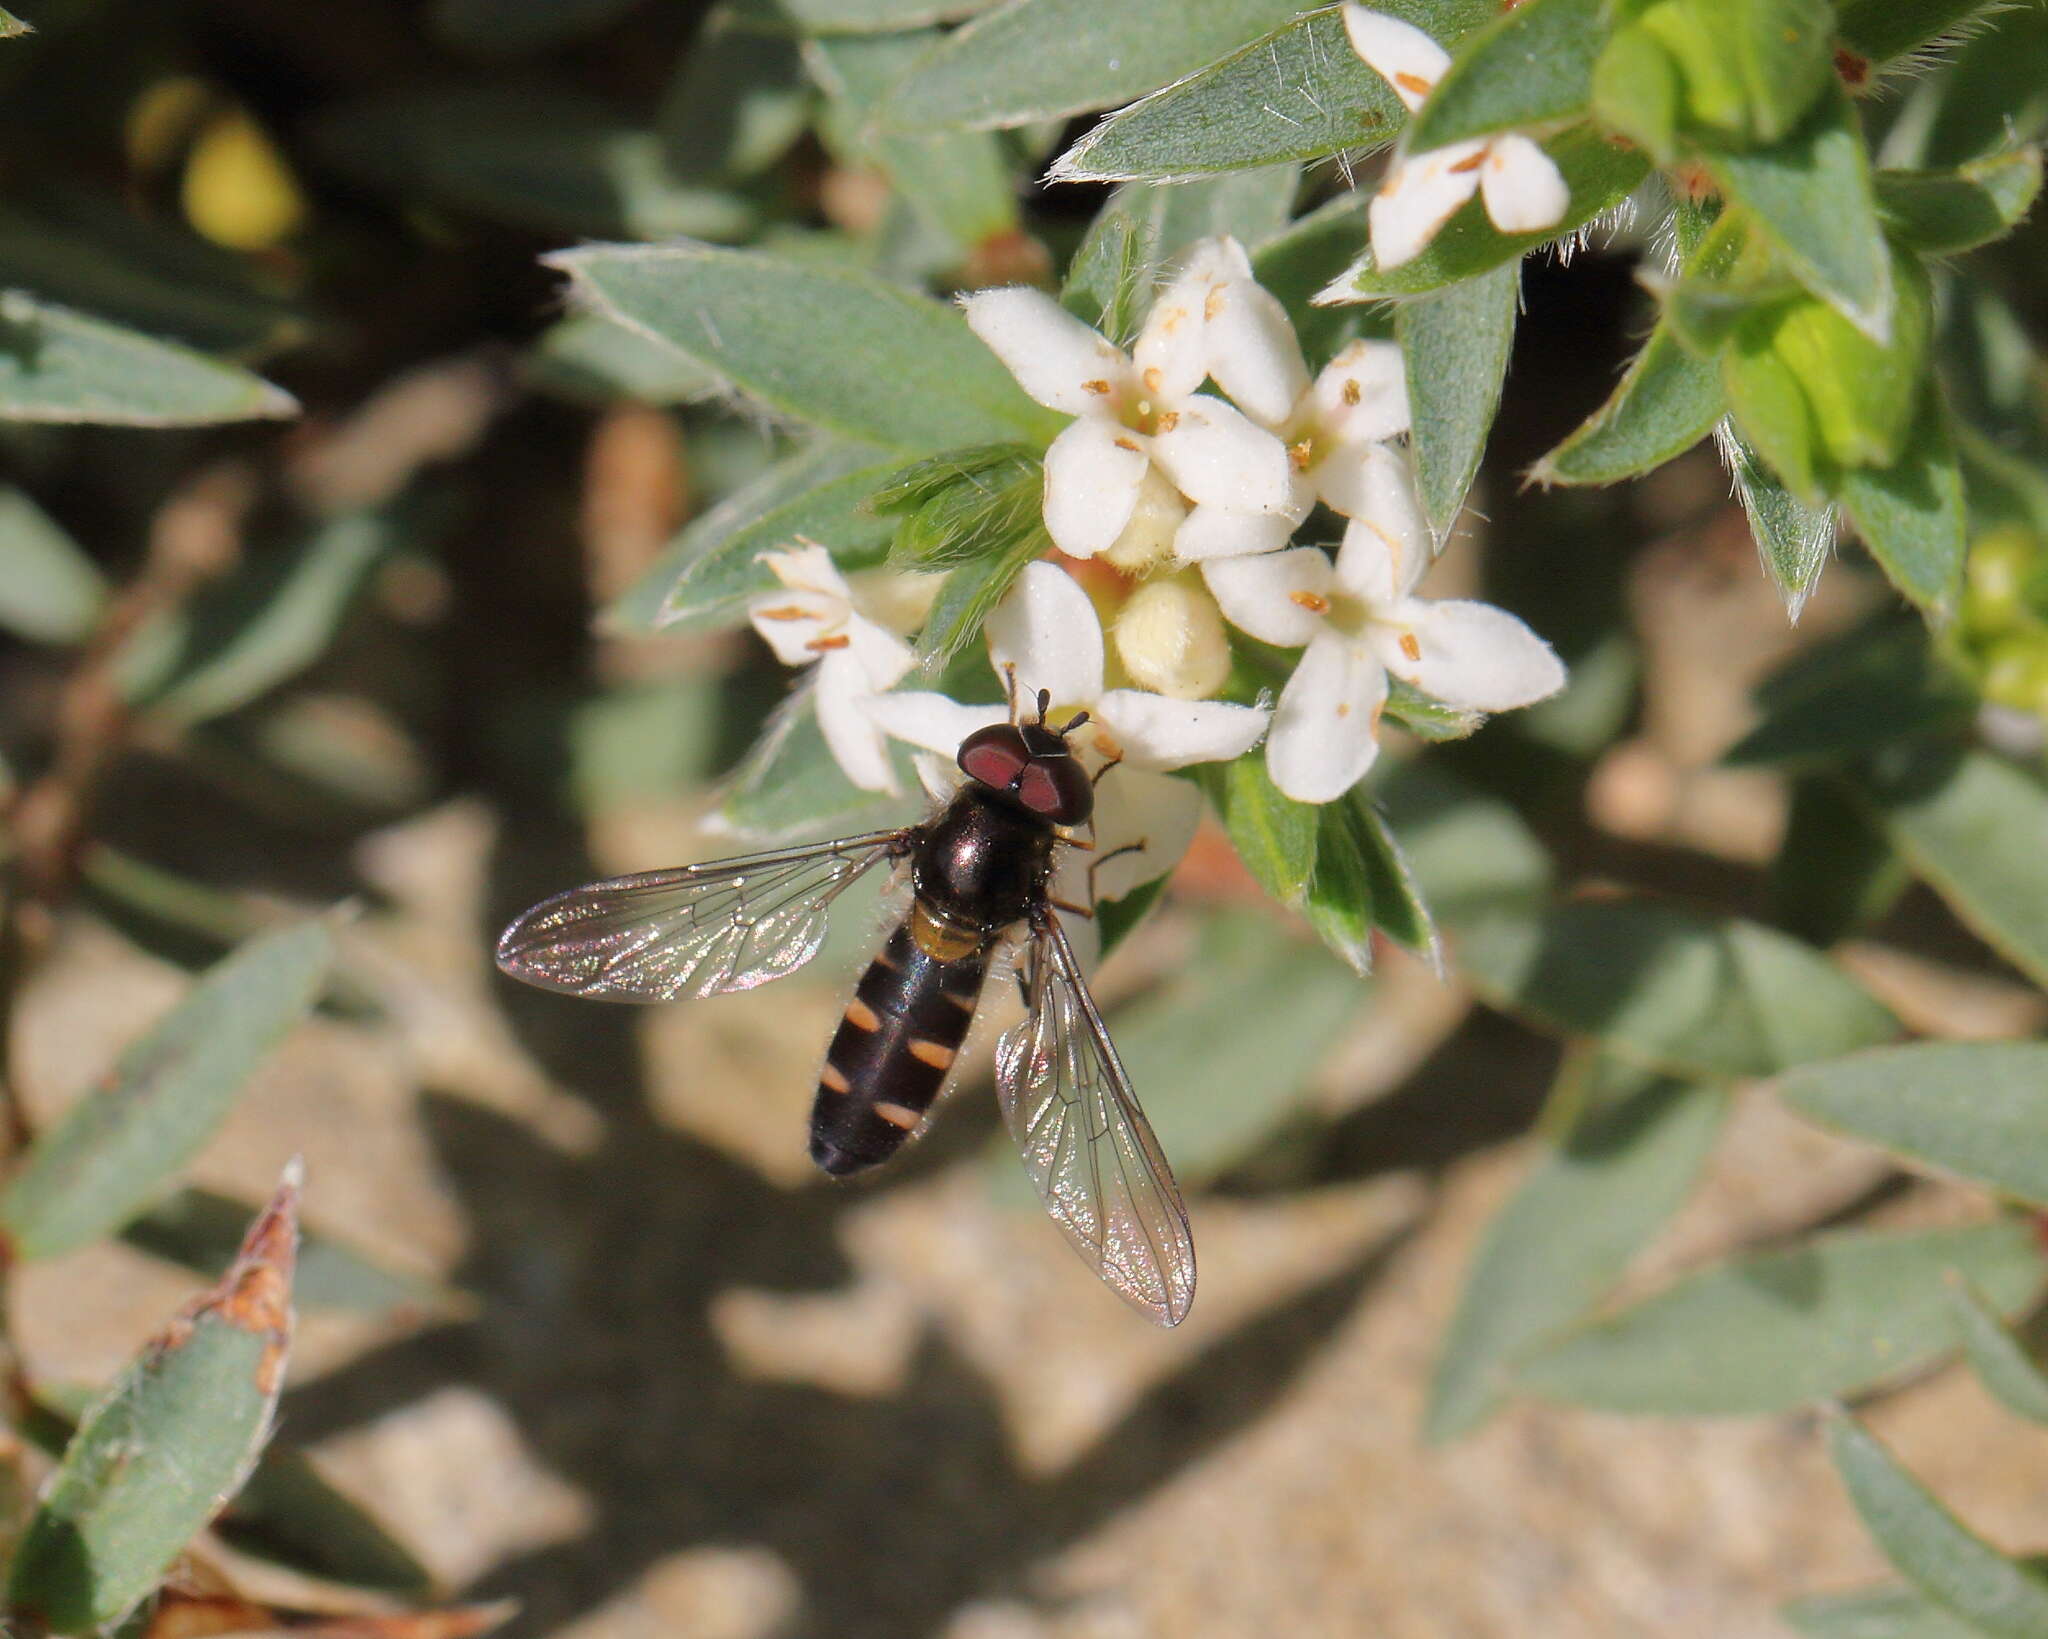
1039,791
994,756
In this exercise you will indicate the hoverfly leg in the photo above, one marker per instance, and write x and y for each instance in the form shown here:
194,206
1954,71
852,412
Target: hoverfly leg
1105,768
1095,865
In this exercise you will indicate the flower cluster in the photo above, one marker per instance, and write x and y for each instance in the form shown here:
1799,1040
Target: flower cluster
1190,499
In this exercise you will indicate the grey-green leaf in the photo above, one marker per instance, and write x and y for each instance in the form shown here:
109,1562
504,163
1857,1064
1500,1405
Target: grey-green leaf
739,99
1911,514
1947,212
171,1440
1456,344
1938,1554
1768,1332
1881,30
1273,834
119,1147
1668,987
1588,1205
1973,1108
1301,93
57,365
1034,60
1877,1613
1812,195
827,345
1666,403
1531,66
1997,1356
50,591
1793,540
1973,831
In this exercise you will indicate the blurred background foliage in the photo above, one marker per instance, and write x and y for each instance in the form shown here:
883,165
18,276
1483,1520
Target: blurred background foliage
334,556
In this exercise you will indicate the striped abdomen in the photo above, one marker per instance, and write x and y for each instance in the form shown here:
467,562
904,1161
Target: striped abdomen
899,1038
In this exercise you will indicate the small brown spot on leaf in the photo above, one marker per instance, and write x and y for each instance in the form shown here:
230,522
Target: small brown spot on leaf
1853,68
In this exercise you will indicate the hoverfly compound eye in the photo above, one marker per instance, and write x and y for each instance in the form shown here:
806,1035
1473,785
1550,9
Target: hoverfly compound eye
995,756
1058,788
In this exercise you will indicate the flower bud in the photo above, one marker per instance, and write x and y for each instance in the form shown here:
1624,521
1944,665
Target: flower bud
1169,636
1147,540
1815,394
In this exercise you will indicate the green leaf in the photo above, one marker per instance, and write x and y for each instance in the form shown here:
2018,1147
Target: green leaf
1300,93
1997,1356
1599,176
12,27
1274,835
1836,872
173,1437
1667,987
288,1514
1937,1553
200,1230
1145,226
1666,403
864,16
955,508
958,181
738,102
118,1148
98,255
827,345
588,357
1764,1333
548,161
1946,212
1533,66
1427,717
1306,255
1470,853
1860,692
1880,1613
707,573
1812,196
267,622
1456,345
50,591
57,365
789,787
1973,833
1033,60
970,594
1881,30
1970,1108
1990,93
1339,903
1793,540
1590,1202
1911,515
1399,906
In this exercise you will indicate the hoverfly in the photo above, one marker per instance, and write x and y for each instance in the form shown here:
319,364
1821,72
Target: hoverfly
980,871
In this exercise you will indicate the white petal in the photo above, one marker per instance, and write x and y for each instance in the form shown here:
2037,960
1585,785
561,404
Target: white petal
884,658
1274,597
1171,355
1400,53
1422,192
1468,654
856,742
1158,733
792,622
1056,358
1218,456
1522,186
1253,355
807,567
1092,474
1361,397
935,721
1210,532
1324,731
940,776
1387,546
1134,806
1047,629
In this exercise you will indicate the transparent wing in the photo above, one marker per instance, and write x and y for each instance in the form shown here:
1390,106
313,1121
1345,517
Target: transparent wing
698,931
1086,1143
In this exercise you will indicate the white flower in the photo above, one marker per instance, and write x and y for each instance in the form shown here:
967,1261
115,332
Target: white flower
813,622
1046,631
1132,414
1357,621
1522,187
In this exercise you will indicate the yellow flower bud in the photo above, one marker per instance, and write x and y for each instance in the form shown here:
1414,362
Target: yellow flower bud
1147,539
1169,636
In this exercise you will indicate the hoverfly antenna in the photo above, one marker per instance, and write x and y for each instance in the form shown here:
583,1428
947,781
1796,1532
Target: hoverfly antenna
1073,723
1044,705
